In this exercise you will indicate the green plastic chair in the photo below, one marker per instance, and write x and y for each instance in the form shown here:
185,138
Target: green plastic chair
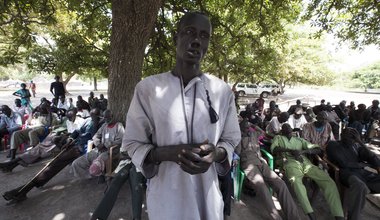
239,175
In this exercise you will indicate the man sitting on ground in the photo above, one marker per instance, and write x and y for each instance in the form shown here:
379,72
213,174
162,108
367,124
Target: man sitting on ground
110,134
359,170
297,166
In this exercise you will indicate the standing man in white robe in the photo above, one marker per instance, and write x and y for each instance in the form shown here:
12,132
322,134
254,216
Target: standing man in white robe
181,131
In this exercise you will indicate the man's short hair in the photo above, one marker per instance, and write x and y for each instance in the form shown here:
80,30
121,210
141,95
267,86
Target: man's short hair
57,77
188,15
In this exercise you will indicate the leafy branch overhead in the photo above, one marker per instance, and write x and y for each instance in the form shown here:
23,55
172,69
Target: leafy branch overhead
252,40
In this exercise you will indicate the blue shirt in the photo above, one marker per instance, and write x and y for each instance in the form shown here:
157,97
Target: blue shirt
11,123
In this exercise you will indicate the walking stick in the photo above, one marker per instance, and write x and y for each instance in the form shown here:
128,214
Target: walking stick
64,148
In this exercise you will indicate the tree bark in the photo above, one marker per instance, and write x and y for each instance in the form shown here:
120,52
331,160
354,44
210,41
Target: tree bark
132,25
67,80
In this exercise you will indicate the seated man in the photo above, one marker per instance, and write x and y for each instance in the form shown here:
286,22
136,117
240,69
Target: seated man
359,170
23,110
10,122
110,134
334,120
103,103
297,120
293,108
374,129
270,112
318,132
259,174
82,104
69,152
274,126
39,127
320,107
45,148
297,166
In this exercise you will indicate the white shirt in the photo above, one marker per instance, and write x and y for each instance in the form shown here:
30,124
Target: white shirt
274,126
160,114
72,126
63,105
297,123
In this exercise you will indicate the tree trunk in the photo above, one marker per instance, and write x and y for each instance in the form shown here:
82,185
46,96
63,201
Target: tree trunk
95,84
67,80
132,25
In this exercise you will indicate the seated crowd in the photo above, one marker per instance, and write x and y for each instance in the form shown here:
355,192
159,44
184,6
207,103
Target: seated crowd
300,139
303,141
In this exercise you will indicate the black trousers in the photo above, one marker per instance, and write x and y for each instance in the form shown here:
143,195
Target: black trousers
56,166
136,180
226,187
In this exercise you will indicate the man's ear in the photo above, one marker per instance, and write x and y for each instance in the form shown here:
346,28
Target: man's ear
175,39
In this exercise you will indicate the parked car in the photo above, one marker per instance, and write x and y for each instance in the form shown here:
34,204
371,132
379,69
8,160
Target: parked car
274,88
252,89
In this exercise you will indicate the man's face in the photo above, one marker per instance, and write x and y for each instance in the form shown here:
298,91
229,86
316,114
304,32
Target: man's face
71,116
375,104
107,115
321,119
193,38
286,130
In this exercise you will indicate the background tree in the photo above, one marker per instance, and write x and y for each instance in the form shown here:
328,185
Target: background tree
301,60
355,21
368,77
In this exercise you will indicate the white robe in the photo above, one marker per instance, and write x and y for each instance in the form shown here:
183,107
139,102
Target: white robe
160,114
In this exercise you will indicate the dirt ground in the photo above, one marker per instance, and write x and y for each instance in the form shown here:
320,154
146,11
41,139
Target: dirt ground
66,199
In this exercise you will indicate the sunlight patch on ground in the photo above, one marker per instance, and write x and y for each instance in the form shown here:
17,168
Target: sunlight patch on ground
58,187
59,216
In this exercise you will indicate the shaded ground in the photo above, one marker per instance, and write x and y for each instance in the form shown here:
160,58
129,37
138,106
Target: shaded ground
66,199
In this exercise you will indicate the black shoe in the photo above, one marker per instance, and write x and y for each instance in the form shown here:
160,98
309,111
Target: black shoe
17,199
13,194
9,166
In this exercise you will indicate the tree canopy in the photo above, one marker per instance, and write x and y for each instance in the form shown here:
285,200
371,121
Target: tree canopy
252,41
350,20
368,77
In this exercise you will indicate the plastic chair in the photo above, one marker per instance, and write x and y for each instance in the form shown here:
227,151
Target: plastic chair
239,175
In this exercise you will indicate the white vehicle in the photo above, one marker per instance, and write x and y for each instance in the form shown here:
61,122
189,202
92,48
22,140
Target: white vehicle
252,89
